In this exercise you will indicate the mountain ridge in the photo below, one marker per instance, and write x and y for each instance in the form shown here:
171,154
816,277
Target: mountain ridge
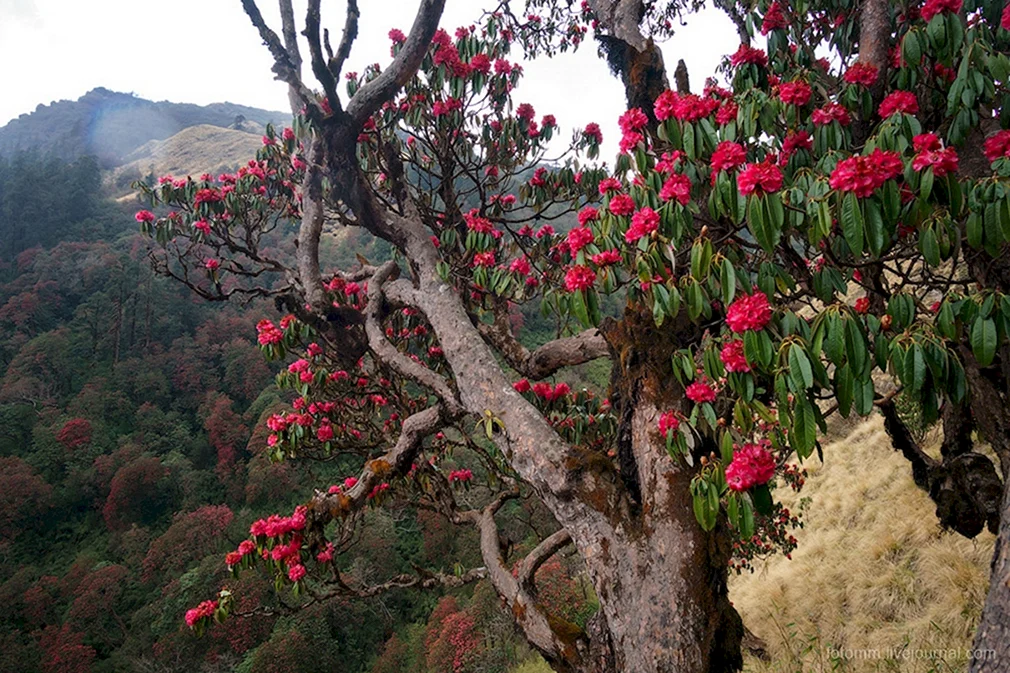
111,125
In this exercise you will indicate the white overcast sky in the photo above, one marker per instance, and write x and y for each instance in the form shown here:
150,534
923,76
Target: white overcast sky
206,51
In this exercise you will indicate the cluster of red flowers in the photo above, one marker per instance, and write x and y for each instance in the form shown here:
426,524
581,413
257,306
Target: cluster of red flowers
668,422
898,101
607,257
933,7
579,278
930,152
593,132
267,333
699,392
763,178
727,155
748,55
997,146
460,476
204,610
733,357
795,140
749,312
622,204
752,465
278,526
546,391
643,223
1005,19
864,74
686,108
795,93
862,175
579,237
726,113
245,548
676,188
484,259
632,122
831,112
481,225
774,19
862,305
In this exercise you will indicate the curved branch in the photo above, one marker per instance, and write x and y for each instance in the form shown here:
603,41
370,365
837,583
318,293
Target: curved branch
373,94
388,353
311,229
550,545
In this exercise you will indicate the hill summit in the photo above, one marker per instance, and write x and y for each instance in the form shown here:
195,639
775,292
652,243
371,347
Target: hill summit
111,125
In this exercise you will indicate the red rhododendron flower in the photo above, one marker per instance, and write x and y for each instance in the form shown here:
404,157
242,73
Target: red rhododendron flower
749,312
726,113
699,392
943,161
474,222
899,101
484,259
862,175
296,572
632,120
668,422
212,264
747,54
608,185
587,215
202,611
933,7
926,142
862,305
678,188
795,141
861,73
774,19
831,112
795,93
522,386
643,223
997,146
578,238
622,204
688,108
144,216
606,258
1005,19
592,131
727,155
764,177
397,36
752,465
665,105
579,278
733,357
520,265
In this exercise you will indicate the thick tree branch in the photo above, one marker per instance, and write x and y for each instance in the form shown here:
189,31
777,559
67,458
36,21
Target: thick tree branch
373,94
319,67
311,229
285,68
347,39
290,34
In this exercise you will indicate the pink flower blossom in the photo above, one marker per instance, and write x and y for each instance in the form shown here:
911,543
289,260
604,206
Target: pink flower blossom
749,312
752,465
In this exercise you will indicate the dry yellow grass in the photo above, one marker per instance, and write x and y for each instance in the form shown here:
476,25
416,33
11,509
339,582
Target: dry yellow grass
873,575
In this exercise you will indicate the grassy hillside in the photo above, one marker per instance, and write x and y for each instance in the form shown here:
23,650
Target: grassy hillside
873,572
192,151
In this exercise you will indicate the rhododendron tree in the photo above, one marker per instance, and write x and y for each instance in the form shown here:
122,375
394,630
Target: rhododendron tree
732,229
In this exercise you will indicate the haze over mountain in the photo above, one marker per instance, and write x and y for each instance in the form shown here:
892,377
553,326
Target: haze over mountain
111,125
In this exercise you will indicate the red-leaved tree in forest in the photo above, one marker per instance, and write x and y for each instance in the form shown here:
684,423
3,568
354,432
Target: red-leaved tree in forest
812,237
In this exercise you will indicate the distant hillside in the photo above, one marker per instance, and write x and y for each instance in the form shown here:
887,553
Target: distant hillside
192,151
111,125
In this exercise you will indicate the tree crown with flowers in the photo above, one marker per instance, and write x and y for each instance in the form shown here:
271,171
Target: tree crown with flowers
816,237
